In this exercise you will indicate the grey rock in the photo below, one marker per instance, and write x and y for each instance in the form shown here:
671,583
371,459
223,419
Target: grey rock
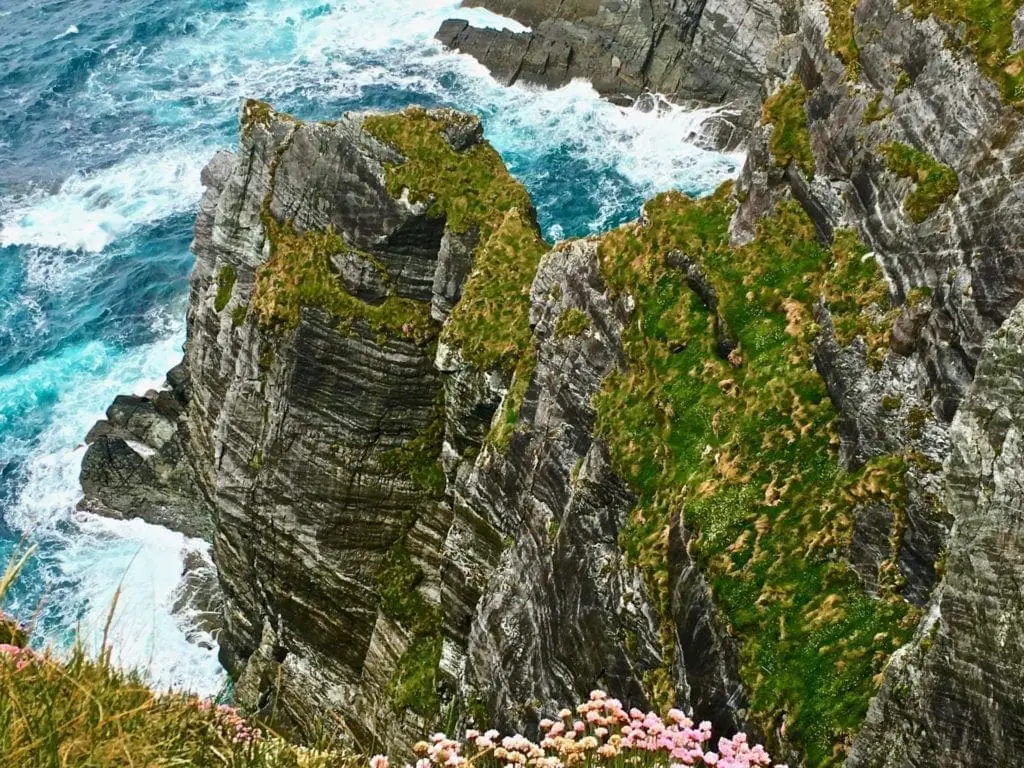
135,466
712,52
952,697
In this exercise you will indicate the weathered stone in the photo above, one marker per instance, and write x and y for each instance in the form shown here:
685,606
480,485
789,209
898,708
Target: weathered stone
713,52
952,697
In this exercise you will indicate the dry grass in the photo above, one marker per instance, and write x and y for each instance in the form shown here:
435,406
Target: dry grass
82,712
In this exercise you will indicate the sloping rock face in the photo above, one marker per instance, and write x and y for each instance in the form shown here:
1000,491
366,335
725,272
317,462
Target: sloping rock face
711,51
405,529
952,697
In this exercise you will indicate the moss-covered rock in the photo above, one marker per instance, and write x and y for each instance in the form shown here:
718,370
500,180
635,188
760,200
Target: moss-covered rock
790,140
746,448
473,191
934,183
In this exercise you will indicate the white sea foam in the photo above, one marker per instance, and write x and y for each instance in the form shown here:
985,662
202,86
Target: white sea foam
72,30
95,554
91,210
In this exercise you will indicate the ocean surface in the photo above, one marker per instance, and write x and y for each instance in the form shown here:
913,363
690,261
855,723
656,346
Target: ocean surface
108,111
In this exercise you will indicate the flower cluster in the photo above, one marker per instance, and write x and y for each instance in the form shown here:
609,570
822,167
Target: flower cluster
236,727
21,657
601,732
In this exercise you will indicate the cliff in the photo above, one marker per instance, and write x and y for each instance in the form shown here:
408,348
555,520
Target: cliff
752,454
713,51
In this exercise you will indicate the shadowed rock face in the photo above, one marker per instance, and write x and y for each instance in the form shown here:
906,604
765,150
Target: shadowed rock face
294,426
501,583
712,51
952,697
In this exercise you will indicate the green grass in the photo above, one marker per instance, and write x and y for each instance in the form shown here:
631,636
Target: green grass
746,449
414,683
934,183
840,35
82,712
508,418
790,140
572,322
298,274
474,192
419,458
225,285
988,35
874,111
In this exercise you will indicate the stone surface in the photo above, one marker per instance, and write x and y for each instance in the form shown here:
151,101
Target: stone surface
713,52
135,464
952,697
289,433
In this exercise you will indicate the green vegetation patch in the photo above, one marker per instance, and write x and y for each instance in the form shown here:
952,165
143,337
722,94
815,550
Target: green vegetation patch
414,683
857,296
874,111
225,286
745,448
988,33
419,458
298,274
508,417
572,322
934,183
841,35
474,192
790,140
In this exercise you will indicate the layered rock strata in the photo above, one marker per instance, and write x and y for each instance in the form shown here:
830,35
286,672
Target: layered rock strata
712,52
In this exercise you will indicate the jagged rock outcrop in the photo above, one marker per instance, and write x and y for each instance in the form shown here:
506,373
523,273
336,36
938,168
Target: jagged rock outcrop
135,465
398,530
713,52
952,697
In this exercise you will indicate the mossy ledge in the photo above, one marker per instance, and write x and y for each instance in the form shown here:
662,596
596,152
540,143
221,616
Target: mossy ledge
572,322
414,683
934,183
473,191
746,449
225,286
790,140
988,35
298,274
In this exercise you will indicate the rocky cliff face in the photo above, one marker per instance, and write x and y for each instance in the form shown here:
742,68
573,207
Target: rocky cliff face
752,454
712,51
952,697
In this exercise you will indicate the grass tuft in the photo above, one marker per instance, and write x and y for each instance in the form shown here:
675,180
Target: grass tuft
83,711
298,274
572,322
225,286
934,183
790,140
474,192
